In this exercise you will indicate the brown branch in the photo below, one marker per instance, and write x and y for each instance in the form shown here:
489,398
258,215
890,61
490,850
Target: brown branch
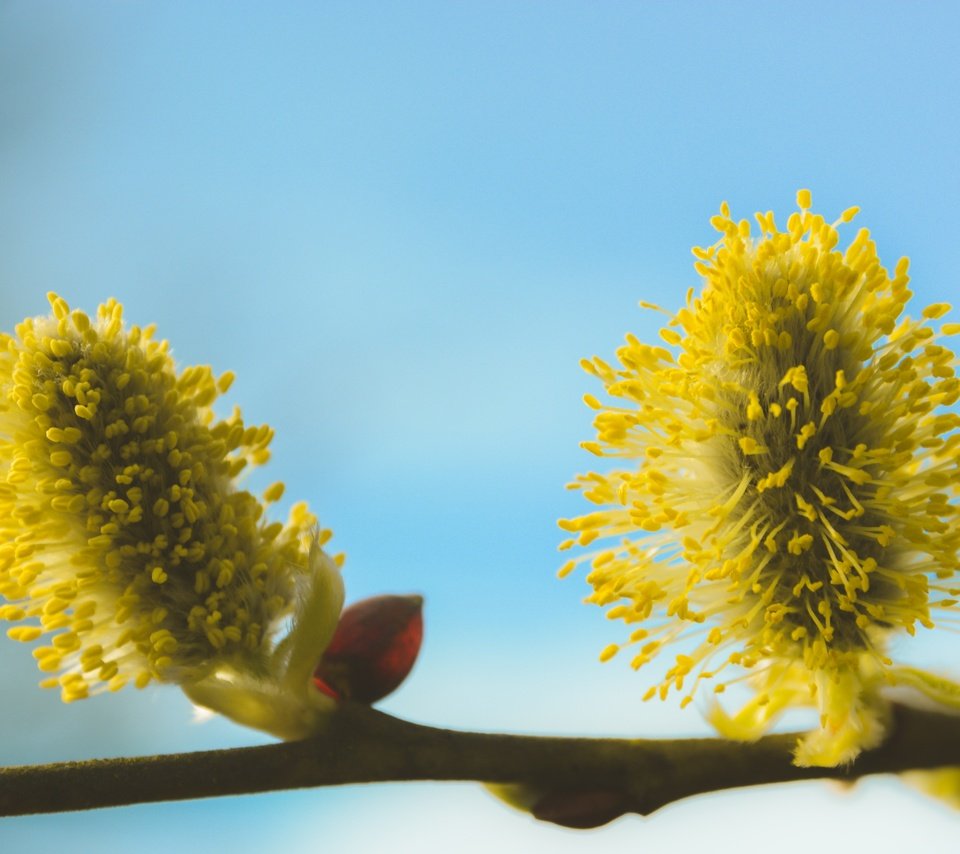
365,746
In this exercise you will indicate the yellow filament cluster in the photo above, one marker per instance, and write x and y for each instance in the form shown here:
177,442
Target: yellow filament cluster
791,470
123,537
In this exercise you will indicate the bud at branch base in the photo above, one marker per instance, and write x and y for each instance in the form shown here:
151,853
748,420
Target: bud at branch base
373,649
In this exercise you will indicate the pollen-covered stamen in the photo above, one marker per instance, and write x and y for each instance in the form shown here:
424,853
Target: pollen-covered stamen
794,471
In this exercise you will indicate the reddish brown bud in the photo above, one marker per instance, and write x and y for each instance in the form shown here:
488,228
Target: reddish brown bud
373,648
581,808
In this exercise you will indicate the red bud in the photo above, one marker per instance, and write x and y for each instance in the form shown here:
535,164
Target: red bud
373,648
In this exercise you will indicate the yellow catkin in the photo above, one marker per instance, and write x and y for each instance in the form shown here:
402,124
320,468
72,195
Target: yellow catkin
121,524
791,476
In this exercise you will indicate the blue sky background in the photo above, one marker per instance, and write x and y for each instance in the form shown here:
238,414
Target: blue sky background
402,224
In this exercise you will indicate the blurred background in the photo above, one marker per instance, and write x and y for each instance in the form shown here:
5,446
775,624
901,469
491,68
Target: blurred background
402,225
